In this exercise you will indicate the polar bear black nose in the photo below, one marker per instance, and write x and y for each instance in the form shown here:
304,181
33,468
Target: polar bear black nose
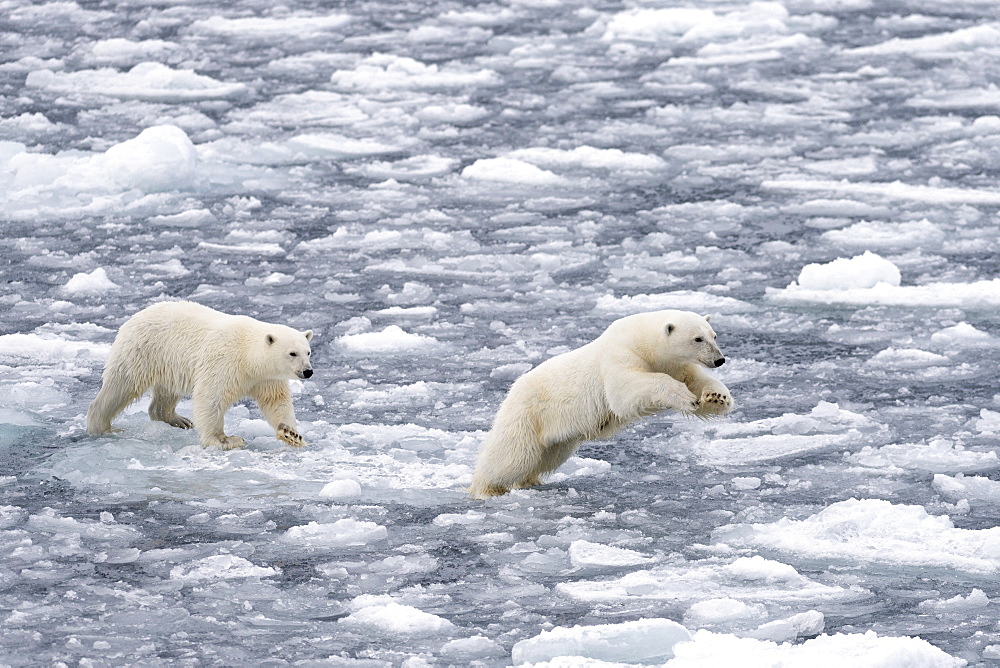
306,373
719,362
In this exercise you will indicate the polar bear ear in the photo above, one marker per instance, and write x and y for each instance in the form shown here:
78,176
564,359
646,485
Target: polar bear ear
308,334
708,318
269,339
669,329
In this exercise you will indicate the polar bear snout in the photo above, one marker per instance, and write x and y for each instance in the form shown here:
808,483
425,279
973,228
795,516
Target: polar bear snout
305,373
719,362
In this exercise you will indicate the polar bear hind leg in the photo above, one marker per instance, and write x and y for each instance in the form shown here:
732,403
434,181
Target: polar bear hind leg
118,390
511,456
163,408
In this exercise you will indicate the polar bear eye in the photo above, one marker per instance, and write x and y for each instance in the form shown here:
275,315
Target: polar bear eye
698,339
293,354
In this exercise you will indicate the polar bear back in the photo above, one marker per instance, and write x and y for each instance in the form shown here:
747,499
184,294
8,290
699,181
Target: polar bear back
566,405
175,343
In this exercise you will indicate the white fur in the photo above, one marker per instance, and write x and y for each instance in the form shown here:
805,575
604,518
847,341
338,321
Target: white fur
183,348
640,365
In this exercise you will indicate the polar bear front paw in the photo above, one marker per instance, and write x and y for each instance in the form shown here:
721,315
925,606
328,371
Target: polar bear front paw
715,403
289,436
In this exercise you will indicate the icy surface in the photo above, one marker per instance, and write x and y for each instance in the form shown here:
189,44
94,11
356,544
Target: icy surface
447,194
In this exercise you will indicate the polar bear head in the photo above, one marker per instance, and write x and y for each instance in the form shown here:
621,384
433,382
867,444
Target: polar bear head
669,339
691,337
288,352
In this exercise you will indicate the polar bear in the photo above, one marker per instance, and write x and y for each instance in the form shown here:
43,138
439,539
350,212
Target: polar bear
182,348
640,365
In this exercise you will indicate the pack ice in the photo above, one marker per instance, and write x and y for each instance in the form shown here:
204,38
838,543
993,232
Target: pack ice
449,194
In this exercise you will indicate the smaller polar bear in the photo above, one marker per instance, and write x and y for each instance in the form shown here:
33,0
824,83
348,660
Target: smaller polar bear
640,365
183,348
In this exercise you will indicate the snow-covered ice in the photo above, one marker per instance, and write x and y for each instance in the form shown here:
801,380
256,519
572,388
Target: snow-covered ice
448,194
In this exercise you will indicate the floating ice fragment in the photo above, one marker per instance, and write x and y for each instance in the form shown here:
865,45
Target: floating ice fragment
118,52
390,341
873,531
159,159
963,334
453,114
510,170
722,610
466,649
641,641
963,487
861,271
718,650
687,300
470,517
988,421
382,71
396,619
190,218
220,567
907,358
150,81
345,532
976,600
888,236
964,39
589,157
808,623
746,482
759,568
341,490
870,279
585,554
256,27
655,25
939,456
94,283
894,190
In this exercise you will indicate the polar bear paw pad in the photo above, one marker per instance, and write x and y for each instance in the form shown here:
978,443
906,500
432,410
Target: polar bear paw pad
289,436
